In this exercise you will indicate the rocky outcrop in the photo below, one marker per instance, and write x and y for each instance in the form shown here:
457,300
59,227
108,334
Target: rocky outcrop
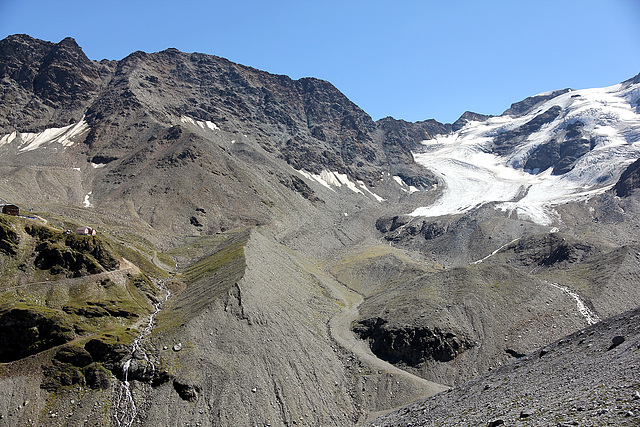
521,108
70,254
504,142
629,180
185,390
298,185
74,366
26,330
562,152
400,228
466,117
411,345
552,249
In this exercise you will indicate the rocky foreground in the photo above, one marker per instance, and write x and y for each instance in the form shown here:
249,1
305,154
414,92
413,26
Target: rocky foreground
590,378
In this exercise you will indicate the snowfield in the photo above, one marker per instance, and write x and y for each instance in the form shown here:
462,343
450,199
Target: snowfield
331,179
66,136
472,176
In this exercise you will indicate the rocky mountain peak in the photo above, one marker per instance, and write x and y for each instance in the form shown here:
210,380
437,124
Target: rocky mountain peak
466,117
66,75
526,105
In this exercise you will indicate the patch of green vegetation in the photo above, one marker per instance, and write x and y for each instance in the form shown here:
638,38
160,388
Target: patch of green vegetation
69,254
118,334
165,259
199,248
207,280
9,239
212,264
376,268
145,287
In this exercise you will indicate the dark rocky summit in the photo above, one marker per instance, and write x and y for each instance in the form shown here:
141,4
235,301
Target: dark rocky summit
526,105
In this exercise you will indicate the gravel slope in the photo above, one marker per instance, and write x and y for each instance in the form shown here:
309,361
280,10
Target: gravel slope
589,378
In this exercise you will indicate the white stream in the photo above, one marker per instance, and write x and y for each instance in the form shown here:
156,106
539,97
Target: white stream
589,315
126,410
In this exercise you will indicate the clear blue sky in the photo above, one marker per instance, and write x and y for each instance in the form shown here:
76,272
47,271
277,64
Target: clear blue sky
412,60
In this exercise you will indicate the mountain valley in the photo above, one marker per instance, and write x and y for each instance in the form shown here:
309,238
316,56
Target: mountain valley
267,254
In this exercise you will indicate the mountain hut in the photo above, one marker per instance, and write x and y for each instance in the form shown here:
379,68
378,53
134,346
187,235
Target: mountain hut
10,209
86,231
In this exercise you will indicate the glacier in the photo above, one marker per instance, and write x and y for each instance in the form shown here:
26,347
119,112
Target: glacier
471,175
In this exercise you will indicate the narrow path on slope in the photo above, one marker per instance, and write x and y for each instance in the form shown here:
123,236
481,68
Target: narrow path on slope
124,267
340,330
495,252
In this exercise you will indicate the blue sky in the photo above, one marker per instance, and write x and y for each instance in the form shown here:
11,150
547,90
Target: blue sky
412,60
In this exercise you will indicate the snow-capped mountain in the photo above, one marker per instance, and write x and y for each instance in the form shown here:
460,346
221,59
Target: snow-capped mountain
567,147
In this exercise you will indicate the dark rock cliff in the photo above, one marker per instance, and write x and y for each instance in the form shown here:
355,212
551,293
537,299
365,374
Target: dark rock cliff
44,84
629,180
411,345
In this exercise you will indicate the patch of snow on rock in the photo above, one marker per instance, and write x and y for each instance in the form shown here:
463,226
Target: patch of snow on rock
404,186
67,136
331,179
202,124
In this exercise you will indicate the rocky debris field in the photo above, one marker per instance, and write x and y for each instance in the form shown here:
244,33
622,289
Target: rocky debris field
589,378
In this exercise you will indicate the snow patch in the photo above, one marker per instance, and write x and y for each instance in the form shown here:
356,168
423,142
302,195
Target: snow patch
87,203
331,179
206,124
404,186
8,139
67,136
374,195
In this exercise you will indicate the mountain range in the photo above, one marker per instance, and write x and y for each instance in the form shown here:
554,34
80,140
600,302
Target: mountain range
267,254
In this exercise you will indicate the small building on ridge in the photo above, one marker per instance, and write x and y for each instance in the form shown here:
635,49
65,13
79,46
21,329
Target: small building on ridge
86,231
10,209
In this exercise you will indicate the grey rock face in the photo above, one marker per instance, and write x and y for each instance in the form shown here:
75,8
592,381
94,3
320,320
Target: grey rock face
629,180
